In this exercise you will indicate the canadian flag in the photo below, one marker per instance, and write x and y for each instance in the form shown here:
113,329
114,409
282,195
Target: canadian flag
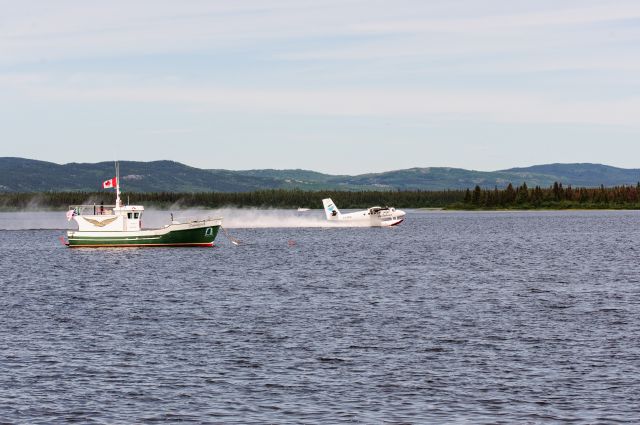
109,184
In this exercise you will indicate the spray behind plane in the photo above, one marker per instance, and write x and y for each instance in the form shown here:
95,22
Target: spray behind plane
375,216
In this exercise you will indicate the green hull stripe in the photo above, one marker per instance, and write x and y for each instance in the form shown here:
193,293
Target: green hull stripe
197,236
210,244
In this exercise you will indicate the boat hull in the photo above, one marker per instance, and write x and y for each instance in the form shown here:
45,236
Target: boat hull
195,234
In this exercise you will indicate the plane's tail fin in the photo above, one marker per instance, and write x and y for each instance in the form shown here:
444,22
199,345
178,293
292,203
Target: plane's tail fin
331,211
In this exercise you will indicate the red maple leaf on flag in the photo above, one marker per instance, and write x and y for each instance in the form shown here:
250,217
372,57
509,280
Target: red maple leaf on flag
107,184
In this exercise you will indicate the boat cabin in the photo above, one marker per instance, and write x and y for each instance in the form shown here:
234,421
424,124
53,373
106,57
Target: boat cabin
107,218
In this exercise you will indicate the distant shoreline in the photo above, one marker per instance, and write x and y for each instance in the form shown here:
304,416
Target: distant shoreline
4,210
556,198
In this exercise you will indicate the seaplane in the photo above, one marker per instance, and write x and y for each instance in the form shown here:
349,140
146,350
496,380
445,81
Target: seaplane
374,216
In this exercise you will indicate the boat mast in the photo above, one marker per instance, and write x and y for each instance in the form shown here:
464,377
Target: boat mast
117,185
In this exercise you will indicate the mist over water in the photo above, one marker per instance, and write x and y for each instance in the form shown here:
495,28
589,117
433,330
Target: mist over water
238,218
31,220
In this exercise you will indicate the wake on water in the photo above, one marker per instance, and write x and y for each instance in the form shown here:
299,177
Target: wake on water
233,218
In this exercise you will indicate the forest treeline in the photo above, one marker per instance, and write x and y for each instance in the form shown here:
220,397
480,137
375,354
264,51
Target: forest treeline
554,197
520,197
276,198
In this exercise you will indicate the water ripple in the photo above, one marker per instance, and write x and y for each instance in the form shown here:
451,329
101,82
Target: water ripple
449,318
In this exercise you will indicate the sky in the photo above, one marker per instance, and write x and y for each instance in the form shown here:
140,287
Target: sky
343,87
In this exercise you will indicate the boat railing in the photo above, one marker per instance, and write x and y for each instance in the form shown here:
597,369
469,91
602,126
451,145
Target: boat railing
184,220
92,209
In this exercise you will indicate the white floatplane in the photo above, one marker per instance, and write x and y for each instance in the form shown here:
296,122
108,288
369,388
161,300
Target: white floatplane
375,216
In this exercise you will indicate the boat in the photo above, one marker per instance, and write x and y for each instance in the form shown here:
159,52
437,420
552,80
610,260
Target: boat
120,225
374,216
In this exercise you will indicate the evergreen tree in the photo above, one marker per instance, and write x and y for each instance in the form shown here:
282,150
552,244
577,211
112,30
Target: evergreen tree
522,196
467,196
510,194
477,194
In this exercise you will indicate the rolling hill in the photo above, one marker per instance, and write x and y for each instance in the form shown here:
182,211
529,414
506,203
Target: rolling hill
27,175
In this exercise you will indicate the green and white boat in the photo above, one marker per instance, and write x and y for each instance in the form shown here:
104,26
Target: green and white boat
120,225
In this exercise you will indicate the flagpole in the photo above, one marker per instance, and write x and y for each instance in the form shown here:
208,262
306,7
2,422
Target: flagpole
117,185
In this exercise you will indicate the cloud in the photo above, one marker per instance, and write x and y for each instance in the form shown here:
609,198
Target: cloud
428,104
165,131
427,40
70,29
64,30
498,23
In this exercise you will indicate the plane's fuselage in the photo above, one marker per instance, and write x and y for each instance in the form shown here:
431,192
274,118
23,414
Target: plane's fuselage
374,216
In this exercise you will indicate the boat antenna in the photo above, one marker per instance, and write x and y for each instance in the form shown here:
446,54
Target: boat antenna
117,185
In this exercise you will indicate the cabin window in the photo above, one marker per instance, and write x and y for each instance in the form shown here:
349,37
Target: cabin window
209,231
136,215
129,215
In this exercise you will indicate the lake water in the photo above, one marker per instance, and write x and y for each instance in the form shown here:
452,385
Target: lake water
448,318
